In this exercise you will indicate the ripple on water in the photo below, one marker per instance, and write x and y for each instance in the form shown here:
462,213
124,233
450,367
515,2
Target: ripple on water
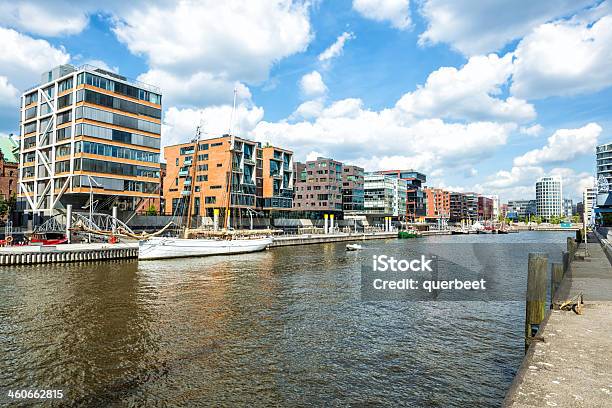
281,327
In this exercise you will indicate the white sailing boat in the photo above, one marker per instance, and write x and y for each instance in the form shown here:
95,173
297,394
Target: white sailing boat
218,242
165,248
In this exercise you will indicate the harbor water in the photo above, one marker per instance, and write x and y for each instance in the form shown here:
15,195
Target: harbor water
284,327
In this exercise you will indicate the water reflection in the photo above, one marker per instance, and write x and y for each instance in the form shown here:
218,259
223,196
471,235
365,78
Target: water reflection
281,327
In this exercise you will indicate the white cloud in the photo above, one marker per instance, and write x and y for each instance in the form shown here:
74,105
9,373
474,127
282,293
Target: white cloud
347,131
533,130
468,93
336,48
210,43
562,146
180,124
564,58
23,58
312,84
43,18
308,110
396,12
9,95
199,89
478,27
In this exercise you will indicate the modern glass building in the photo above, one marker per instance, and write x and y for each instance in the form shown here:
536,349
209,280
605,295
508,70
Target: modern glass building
86,130
604,181
549,197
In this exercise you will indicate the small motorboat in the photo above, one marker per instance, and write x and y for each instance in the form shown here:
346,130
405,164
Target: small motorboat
353,247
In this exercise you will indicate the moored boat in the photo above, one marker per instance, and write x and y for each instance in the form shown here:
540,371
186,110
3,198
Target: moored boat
353,247
407,234
168,247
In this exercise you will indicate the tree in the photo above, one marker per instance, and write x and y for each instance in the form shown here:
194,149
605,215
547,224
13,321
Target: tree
576,219
4,207
151,210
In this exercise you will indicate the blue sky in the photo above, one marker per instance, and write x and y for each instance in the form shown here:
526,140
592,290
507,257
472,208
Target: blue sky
480,97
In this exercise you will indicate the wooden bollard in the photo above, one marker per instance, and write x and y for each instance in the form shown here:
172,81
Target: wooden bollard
566,262
578,236
536,294
556,275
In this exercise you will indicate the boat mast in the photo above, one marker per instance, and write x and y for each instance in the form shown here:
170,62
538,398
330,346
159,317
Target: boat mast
231,166
192,175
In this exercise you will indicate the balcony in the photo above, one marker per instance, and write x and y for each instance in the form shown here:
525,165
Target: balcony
183,173
249,160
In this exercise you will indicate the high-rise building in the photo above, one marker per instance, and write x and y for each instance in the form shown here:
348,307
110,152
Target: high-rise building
415,199
549,197
352,188
589,201
568,207
86,130
318,186
385,195
438,203
261,177
604,180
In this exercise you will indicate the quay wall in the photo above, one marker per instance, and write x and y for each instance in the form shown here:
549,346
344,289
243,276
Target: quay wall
322,238
29,255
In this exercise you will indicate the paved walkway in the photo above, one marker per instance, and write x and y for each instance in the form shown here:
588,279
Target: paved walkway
572,367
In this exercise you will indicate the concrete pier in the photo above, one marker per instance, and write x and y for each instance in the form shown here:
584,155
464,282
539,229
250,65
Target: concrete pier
28,255
570,364
324,238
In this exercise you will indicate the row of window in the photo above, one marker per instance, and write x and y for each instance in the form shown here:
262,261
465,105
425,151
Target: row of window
116,184
116,151
117,103
118,87
86,129
113,118
108,167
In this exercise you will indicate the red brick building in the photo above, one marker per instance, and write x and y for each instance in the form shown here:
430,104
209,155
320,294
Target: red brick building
8,167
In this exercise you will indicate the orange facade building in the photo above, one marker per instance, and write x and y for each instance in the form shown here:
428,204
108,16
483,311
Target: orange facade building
261,178
438,203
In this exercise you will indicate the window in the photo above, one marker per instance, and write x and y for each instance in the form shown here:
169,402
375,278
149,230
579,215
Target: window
31,98
216,144
215,187
203,146
29,128
64,101
63,133
64,117
65,85
210,200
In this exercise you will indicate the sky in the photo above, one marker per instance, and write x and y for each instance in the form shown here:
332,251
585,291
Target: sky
479,96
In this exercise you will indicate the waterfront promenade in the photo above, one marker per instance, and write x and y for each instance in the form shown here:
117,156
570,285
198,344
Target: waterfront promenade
571,364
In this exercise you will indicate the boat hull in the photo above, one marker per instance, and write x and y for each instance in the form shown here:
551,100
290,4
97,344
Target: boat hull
166,248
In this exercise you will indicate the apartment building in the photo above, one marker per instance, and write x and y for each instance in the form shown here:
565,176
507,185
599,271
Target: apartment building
277,178
485,208
471,206
86,130
352,188
522,209
603,161
9,161
589,204
458,206
549,197
385,195
438,203
199,172
415,199
318,186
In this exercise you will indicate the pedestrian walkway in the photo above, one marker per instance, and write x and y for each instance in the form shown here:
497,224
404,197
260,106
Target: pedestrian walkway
571,365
